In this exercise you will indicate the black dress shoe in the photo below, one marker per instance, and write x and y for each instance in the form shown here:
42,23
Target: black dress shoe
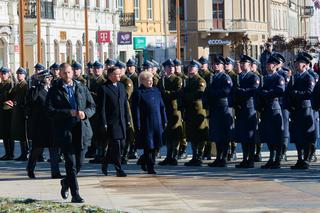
275,165
41,159
144,167
132,155
56,176
152,172
267,165
22,158
173,162
249,164
77,199
121,173
222,163
6,157
241,165
214,163
104,169
64,189
190,162
257,158
95,161
31,174
165,162
124,161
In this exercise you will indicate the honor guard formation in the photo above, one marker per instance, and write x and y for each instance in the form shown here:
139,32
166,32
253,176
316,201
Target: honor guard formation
106,112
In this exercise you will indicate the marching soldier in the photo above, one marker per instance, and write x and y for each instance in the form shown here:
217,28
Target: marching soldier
195,114
77,70
97,140
220,115
182,154
271,125
229,69
6,106
302,128
128,86
170,86
246,120
18,119
285,113
206,74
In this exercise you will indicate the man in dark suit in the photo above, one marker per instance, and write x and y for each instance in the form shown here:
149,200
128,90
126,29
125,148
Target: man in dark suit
112,108
70,105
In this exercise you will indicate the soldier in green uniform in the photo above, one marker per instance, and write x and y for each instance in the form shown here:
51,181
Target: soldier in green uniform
182,153
6,106
155,71
170,86
77,69
131,73
229,69
97,140
18,119
195,114
128,85
206,74
148,66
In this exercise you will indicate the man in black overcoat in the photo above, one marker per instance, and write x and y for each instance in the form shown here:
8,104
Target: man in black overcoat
112,109
70,105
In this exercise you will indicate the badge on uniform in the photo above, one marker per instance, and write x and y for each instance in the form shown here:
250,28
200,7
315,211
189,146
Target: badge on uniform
282,82
129,85
229,82
202,84
312,83
258,82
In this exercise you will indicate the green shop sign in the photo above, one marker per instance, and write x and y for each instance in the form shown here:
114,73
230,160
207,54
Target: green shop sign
139,43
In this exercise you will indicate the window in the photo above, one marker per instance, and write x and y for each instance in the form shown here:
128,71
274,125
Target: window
97,3
120,5
149,9
136,9
77,2
107,4
218,13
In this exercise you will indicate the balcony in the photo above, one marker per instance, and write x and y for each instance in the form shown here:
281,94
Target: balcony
127,20
47,9
307,11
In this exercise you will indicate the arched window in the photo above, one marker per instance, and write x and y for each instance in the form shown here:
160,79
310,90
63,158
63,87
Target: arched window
79,52
3,52
56,51
69,51
43,53
91,51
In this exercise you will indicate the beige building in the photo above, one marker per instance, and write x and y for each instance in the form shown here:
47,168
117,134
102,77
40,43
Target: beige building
218,26
279,14
151,35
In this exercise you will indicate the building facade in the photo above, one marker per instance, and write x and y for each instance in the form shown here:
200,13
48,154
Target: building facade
224,27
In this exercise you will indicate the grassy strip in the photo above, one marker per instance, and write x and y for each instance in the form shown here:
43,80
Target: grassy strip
35,206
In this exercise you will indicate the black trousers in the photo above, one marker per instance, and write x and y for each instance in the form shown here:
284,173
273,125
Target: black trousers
8,147
150,158
54,159
73,156
114,153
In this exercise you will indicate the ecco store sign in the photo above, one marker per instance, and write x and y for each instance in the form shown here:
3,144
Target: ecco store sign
219,42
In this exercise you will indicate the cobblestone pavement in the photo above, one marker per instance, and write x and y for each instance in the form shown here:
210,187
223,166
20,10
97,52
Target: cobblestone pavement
177,189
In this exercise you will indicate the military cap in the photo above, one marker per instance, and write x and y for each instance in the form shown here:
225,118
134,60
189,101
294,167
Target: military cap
303,58
177,62
203,60
90,65
255,61
54,66
120,64
279,57
155,63
168,62
218,59
307,55
147,64
44,74
76,66
4,70
273,60
21,70
97,65
39,67
131,63
268,44
229,60
246,58
195,63
109,61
